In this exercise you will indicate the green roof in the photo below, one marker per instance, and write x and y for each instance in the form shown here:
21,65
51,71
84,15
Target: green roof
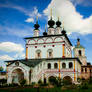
79,46
34,62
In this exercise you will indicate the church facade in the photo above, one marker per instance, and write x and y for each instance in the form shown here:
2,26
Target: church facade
49,55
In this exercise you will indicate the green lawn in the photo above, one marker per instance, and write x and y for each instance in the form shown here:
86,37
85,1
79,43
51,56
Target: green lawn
57,89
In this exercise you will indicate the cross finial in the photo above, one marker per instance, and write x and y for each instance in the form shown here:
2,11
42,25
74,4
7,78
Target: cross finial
45,27
58,18
51,13
36,19
63,25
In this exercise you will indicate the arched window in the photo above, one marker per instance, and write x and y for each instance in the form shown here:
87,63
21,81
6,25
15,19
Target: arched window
55,65
50,53
80,53
70,65
81,69
63,65
49,66
38,53
85,69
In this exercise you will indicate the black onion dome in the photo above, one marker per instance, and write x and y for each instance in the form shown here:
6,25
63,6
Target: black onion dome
45,33
58,23
63,32
78,39
36,26
51,23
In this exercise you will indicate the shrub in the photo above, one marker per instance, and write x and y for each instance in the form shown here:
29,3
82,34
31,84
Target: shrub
84,85
52,80
40,82
23,82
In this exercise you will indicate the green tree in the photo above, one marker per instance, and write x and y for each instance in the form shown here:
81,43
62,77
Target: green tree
1,68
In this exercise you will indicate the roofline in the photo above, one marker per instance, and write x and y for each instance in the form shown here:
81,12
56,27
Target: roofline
47,59
51,36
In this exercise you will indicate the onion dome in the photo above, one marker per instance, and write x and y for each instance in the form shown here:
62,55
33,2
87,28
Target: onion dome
36,26
63,32
51,23
78,44
58,23
45,33
78,39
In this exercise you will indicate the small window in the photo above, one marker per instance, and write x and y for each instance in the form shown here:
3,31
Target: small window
85,69
80,53
50,53
38,53
49,66
55,65
63,65
70,65
90,70
81,69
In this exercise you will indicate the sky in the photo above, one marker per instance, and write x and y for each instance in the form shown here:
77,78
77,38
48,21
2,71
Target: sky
17,19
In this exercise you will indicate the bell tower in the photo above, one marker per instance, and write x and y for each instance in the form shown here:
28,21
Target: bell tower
79,51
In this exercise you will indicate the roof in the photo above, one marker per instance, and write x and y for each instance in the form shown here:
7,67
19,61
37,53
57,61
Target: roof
34,62
51,36
2,71
87,66
79,46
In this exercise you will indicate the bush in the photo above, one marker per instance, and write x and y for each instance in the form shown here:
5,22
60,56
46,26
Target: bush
66,82
23,82
3,81
40,82
84,85
90,80
52,80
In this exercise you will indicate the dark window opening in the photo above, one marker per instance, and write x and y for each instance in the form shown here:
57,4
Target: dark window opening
49,66
80,53
85,69
50,54
81,69
55,65
63,65
70,65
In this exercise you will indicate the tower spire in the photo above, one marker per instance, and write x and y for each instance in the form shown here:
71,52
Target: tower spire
45,33
37,19
36,26
63,25
78,41
63,31
51,13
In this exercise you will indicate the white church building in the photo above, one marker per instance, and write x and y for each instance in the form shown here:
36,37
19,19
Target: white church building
49,55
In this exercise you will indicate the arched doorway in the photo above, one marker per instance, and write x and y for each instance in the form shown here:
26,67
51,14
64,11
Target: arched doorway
52,79
67,80
17,76
30,76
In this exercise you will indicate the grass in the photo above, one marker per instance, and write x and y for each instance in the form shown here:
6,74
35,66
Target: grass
44,90
55,89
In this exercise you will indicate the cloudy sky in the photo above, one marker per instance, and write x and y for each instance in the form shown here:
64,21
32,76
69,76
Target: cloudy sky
17,18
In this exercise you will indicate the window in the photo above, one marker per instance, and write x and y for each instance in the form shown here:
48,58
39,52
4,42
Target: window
50,53
81,69
55,65
38,53
85,69
70,65
63,65
80,53
49,66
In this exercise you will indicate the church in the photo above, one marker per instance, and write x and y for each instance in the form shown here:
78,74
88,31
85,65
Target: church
49,55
